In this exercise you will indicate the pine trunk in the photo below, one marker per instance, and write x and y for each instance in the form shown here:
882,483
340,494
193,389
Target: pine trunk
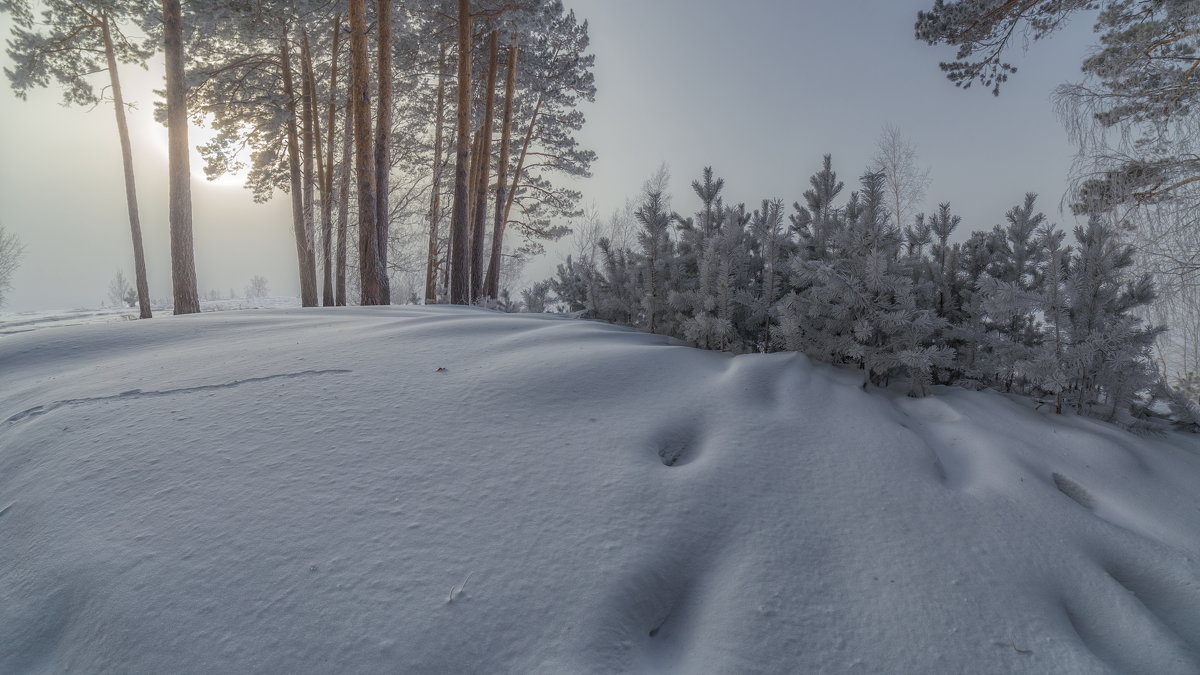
311,149
435,207
383,154
516,179
344,201
308,283
460,273
364,158
479,226
491,286
135,223
327,298
183,257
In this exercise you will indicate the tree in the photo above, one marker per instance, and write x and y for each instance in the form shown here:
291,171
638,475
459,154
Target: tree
435,202
183,258
77,40
555,76
460,267
1109,356
383,152
10,259
370,268
492,283
119,291
1132,115
896,159
257,287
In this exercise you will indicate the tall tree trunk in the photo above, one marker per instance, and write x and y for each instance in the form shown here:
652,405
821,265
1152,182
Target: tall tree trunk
479,228
327,297
344,200
473,188
308,278
364,158
383,144
183,256
460,273
135,223
516,179
491,286
435,206
311,149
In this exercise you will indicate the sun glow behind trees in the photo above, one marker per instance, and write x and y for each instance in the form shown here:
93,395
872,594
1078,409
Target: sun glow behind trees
198,135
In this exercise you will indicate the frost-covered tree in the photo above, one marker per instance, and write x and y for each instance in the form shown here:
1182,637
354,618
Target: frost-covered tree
1133,115
771,247
536,298
859,306
818,218
573,284
1047,367
69,43
257,288
941,225
119,290
1109,356
896,159
655,262
253,81
10,259
717,316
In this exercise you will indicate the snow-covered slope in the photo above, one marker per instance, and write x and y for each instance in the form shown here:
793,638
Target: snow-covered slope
427,490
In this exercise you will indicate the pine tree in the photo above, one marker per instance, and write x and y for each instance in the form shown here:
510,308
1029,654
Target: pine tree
858,306
1110,348
655,262
183,258
75,40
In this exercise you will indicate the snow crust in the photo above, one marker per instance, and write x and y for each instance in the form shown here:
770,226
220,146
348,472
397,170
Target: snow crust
427,490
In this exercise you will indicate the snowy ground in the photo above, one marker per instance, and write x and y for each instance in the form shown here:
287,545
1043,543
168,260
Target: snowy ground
427,490
21,322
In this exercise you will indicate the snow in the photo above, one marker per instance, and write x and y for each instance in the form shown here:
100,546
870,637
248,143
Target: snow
365,490
20,322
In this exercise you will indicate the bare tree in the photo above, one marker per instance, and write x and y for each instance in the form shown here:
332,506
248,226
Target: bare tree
896,159
10,259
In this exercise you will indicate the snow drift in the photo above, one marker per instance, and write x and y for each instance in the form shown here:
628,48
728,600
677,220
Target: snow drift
452,490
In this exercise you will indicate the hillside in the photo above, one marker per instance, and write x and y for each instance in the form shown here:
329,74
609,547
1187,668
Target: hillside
368,490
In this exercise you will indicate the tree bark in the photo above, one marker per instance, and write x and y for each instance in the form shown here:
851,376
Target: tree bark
311,153
364,158
327,298
344,200
383,138
183,256
135,223
435,207
308,278
491,286
479,228
460,273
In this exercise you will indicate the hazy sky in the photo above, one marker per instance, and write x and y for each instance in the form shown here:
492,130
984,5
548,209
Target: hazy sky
759,89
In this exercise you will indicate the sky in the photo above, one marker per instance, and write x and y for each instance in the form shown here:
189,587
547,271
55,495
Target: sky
757,89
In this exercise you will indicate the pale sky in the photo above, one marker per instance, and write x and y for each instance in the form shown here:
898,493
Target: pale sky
759,89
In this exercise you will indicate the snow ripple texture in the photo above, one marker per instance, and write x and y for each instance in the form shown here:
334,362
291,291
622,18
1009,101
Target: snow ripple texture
450,490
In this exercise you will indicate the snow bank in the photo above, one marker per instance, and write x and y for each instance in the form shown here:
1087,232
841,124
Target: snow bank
421,490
